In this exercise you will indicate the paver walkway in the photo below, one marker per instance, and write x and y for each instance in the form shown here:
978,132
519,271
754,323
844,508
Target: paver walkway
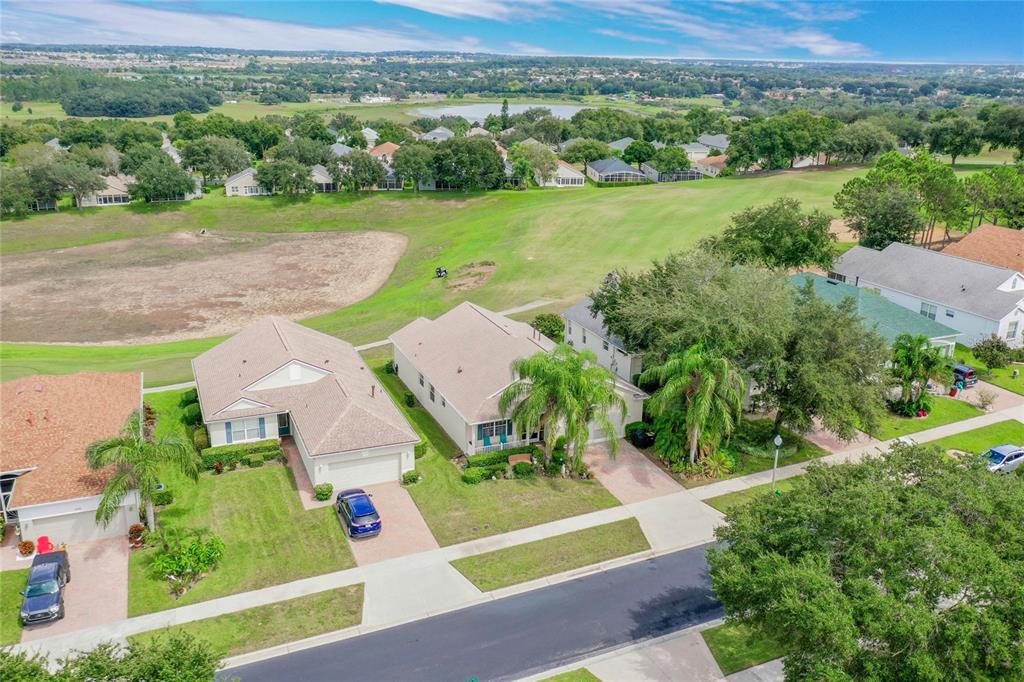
629,476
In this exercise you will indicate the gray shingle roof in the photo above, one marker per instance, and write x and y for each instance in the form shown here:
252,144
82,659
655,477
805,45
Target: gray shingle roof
695,147
580,314
716,141
948,280
240,174
613,165
339,149
621,145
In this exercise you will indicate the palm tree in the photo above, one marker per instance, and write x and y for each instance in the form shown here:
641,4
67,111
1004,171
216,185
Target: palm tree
136,461
703,390
914,362
563,390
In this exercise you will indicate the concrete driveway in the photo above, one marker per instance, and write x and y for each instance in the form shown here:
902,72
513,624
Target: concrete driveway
630,476
404,530
98,591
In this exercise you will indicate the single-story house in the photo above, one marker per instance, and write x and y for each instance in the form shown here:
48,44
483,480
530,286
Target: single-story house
322,179
115,193
477,131
46,485
613,170
439,134
568,143
585,329
392,181
458,365
711,166
976,299
1000,246
277,378
655,175
621,144
887,318
510,174
385,152
339,149
565,176
719,142
54,143
371,136
167,148
196,193
243,184
536,143
695,151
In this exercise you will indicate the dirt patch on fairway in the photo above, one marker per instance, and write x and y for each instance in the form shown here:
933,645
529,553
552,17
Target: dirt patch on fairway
188,284
841,230
472,276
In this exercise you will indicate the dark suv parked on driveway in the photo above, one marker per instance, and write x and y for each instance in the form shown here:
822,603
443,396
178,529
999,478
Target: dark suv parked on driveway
44,596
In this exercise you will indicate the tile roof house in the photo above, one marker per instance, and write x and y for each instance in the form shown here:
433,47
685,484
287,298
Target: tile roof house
385,151
585,329
976,299
613,170
458,365
477,131
46,486
887,318
439,134
712,166
1001,246
277,378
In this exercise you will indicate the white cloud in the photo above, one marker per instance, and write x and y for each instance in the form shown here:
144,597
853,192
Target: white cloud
110,22
499,10
632,37
526,48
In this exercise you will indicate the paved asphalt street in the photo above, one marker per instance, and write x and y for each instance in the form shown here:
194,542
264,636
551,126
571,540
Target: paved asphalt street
519,635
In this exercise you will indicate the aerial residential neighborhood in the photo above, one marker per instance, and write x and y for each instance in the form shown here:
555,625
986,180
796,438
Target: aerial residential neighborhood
551,341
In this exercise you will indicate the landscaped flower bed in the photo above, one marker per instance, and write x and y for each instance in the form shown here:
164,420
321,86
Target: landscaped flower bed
252,454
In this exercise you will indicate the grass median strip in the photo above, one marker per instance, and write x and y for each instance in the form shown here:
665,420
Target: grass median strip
532,560
265,626
736,646
724,503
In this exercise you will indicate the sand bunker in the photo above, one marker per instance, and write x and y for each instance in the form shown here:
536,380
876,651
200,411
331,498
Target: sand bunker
188,284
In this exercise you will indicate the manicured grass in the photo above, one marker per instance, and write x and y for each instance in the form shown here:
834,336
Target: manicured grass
724,503
554,244
979,440
532,560
843,247
457,512
12,584
270,538
272,624
761,431
944,411
580,675
999,377
737,647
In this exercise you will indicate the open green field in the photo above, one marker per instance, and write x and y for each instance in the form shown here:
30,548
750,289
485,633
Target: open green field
272,624
554,244
12,584
944,411
456,511
1000,377
736,646
532,560
269,537
978,440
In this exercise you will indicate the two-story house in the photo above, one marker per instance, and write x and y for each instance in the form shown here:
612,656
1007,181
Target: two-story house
585,330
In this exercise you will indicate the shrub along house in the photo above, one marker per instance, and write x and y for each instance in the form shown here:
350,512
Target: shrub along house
277,378
46,485
458,365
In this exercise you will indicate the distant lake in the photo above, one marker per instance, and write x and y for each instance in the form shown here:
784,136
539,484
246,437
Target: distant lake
478,112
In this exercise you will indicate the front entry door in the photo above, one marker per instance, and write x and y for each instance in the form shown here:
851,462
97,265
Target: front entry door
284,425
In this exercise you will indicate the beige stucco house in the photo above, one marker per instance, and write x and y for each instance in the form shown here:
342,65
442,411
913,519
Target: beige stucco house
115,193
565,176
243,184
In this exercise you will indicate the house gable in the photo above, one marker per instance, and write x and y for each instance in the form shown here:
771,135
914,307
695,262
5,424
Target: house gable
244,404
294,373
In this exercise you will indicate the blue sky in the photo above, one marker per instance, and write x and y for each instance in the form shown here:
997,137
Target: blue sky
749,29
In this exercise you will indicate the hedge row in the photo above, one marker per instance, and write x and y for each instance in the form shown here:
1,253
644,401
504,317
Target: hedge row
501,456
243,453
476,474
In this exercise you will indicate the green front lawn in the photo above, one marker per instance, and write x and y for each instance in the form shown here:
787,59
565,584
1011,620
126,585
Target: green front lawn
754,451
999,377
270,538
580,675
979,440
944,411
278,623
12,584
724,503
532,560
737,647
457,512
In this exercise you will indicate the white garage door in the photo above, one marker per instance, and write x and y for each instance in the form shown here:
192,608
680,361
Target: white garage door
347,474
72,528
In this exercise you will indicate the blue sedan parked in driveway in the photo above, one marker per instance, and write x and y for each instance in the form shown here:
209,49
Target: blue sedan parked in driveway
357,512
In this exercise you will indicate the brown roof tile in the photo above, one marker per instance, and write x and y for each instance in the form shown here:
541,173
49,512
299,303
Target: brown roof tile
991,244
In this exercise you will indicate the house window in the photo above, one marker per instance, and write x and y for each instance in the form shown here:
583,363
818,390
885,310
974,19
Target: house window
949,313
421,378
836,277
431,392
443,403
1011,330
247,429
604,345
928,310
584,336
493,429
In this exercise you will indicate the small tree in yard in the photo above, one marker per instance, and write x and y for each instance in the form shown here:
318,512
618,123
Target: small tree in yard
700,395
900,567
550,325
563,391
639,151
993,352
914,363
135,463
